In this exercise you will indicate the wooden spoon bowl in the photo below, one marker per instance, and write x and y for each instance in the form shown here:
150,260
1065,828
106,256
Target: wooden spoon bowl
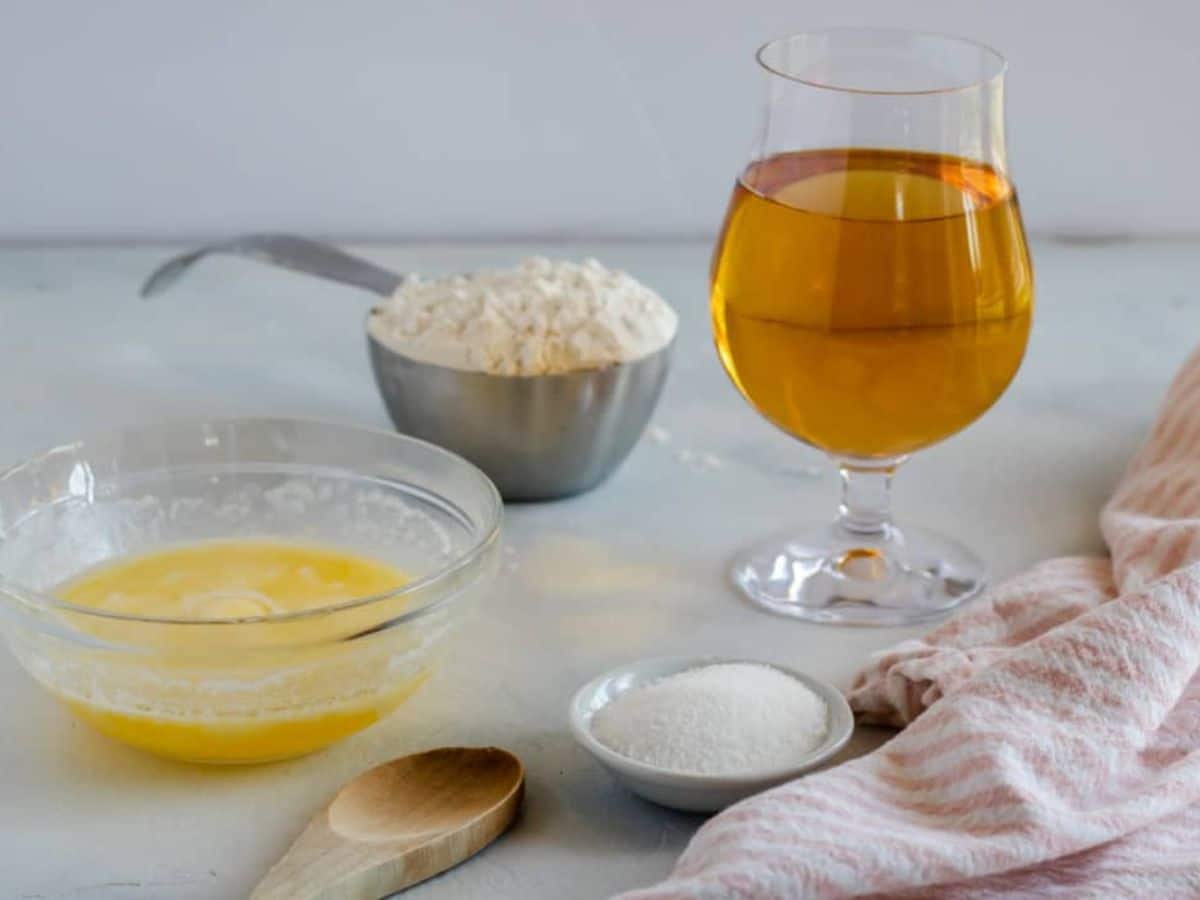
400,823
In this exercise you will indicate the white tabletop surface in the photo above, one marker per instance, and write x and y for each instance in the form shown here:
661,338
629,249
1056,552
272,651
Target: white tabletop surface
635,568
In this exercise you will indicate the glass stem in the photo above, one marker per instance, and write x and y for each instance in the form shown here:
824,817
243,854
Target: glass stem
866,507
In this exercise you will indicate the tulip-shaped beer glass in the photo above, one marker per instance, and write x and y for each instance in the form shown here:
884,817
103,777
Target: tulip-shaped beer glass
871,295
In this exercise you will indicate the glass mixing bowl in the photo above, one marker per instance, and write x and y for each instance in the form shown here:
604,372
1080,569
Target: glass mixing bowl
250,689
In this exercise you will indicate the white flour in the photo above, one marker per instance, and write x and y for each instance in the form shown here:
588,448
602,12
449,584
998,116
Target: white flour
726,719
539,318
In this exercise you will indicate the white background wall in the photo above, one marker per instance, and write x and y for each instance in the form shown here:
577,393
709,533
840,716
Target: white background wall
469,118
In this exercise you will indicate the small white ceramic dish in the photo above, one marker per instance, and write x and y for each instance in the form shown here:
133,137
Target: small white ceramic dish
693,792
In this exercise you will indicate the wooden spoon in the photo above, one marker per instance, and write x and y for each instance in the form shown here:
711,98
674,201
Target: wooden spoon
400,823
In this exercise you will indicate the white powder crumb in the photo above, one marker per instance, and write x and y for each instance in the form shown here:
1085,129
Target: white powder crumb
541,317
658,435
724,719
699,461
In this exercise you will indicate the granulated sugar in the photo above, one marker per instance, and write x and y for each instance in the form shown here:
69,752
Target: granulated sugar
723,719
541,317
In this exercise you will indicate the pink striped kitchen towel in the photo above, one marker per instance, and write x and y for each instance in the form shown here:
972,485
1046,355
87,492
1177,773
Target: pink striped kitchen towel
1054,744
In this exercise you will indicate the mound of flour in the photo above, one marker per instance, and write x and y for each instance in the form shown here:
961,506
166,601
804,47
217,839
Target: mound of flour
541,317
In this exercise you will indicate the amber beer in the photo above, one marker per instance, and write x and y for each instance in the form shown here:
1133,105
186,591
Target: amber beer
869,301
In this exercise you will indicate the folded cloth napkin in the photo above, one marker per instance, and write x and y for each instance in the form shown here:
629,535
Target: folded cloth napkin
1054,744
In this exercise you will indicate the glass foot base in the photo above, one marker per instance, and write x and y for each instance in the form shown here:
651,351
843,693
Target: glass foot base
829,574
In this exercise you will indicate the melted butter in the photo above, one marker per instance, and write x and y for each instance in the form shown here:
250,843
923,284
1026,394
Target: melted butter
230,579
236,579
